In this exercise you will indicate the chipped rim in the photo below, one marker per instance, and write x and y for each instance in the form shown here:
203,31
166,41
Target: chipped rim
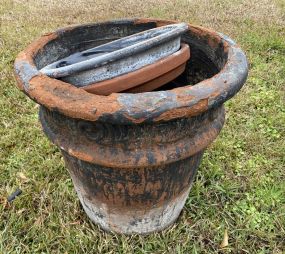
137,108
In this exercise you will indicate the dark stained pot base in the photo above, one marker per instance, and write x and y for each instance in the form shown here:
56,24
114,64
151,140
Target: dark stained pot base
151,198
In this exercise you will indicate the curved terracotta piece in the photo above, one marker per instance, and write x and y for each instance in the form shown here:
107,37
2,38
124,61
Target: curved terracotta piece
143,75
133,157
159,81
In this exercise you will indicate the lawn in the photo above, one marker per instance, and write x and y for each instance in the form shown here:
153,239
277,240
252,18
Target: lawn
240,186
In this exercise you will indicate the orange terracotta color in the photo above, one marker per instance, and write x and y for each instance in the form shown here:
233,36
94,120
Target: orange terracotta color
159,81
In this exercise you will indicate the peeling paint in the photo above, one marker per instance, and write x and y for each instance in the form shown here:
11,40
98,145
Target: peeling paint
25,72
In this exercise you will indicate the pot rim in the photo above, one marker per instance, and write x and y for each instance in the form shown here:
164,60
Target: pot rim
124,108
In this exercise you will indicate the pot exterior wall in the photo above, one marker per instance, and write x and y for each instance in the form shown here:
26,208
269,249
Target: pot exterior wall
137,200
132,178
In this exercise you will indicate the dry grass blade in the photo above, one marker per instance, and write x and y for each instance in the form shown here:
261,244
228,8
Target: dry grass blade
225,241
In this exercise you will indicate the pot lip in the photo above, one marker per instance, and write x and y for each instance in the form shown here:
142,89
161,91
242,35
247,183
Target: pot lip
137,108
142,75
172,31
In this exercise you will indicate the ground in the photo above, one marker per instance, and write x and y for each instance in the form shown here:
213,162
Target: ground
240,186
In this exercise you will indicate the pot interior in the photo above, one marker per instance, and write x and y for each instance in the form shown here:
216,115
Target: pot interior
208,51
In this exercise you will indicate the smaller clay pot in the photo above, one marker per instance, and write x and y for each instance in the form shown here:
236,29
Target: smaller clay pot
147,78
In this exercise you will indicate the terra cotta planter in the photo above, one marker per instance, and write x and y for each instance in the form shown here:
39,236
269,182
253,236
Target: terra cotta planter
133,157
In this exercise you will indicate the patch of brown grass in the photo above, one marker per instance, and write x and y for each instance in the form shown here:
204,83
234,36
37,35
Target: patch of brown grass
225,16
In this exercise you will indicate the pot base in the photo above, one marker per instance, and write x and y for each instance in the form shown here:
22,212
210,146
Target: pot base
135,222
133,200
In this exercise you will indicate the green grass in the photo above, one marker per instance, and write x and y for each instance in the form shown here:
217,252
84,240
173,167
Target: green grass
240,185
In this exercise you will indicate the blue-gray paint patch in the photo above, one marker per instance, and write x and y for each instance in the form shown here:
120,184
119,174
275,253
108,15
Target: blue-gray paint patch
149,104
26,72
227,39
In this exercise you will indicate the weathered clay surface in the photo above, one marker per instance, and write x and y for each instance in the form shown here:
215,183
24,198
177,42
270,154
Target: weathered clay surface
132,157
129,146
137,200
132,178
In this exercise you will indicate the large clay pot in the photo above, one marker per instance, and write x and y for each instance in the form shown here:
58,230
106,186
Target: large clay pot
133,157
